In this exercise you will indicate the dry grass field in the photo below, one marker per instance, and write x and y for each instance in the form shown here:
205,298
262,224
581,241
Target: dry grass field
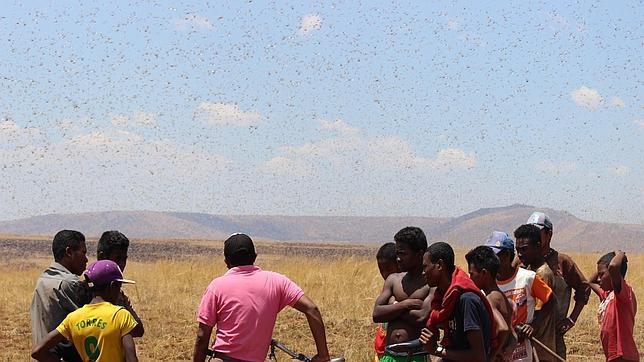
171,276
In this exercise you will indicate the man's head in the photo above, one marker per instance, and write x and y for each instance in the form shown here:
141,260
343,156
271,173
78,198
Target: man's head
503,246
105,278
528,238
542,221
602,271
483,264
239,250
410,247
438,263
70,251
113,246
386,258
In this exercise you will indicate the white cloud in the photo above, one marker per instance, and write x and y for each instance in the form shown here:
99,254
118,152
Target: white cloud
396,153
287,166
620,170
226,114
639,123
104,152
617,102
139,119
452,24
351,150
339,126
194,21
309,23
8,126
586,97
557,21
554,167
12,134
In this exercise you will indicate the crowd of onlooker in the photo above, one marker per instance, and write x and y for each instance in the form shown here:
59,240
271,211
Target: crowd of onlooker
513,304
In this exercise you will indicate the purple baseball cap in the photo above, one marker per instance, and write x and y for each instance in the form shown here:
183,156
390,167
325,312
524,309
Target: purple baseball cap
499,241
103,272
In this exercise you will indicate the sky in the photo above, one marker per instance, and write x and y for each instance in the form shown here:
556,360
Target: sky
322,108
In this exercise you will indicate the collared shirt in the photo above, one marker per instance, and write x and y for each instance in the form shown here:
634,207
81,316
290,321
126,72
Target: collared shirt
58,292
568,277
243,304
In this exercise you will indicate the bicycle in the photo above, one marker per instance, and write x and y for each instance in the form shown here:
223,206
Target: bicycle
277,345
296,356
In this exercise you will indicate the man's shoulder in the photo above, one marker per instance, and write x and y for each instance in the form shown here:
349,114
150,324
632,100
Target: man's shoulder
564,259
471,298
544,270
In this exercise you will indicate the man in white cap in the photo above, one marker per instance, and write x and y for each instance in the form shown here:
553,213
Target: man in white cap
567,277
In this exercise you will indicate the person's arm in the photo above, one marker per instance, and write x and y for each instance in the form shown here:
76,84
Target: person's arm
577,281
476,352
594,285
419,316
124,301
526,330
314,318
614,270
201,343
502,333
546,303
41,351
129,348
385,312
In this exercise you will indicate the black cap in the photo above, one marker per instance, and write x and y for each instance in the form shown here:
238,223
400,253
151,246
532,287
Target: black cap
237,246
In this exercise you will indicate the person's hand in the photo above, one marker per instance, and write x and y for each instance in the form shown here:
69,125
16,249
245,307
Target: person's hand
525,330
412,304
320,358
565,325
624,259
428,341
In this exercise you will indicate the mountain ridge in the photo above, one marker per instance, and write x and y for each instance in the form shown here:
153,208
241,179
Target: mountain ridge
469,229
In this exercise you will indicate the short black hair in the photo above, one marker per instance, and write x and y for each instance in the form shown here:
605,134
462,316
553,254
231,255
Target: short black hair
509,251
442,251
239,250
412,236
111,241
530,232
66,239
387,252
483,257
605,260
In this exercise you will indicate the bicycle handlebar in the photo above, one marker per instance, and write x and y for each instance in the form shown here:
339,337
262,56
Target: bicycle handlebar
409,346
296,356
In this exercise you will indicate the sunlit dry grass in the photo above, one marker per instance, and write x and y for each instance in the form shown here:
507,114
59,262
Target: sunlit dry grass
168,291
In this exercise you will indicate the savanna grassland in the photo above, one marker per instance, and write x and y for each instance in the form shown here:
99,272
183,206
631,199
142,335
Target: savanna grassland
171,276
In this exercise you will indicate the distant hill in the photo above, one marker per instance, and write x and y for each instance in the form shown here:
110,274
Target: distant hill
471,229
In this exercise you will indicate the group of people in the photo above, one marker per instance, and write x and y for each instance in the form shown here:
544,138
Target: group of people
513,304
79,312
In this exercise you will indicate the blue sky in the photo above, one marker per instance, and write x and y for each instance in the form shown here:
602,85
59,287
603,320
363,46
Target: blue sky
320,108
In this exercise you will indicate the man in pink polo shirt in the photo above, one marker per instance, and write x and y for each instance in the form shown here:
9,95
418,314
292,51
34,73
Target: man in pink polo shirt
244,303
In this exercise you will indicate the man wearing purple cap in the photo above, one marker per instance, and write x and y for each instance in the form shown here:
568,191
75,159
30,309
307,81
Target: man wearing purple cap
100,330
567,277
244,304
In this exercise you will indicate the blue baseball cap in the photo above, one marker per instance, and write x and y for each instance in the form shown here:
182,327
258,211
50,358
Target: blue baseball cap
500,241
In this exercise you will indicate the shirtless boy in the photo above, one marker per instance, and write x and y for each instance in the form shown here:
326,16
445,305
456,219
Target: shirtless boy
483,265
409,312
